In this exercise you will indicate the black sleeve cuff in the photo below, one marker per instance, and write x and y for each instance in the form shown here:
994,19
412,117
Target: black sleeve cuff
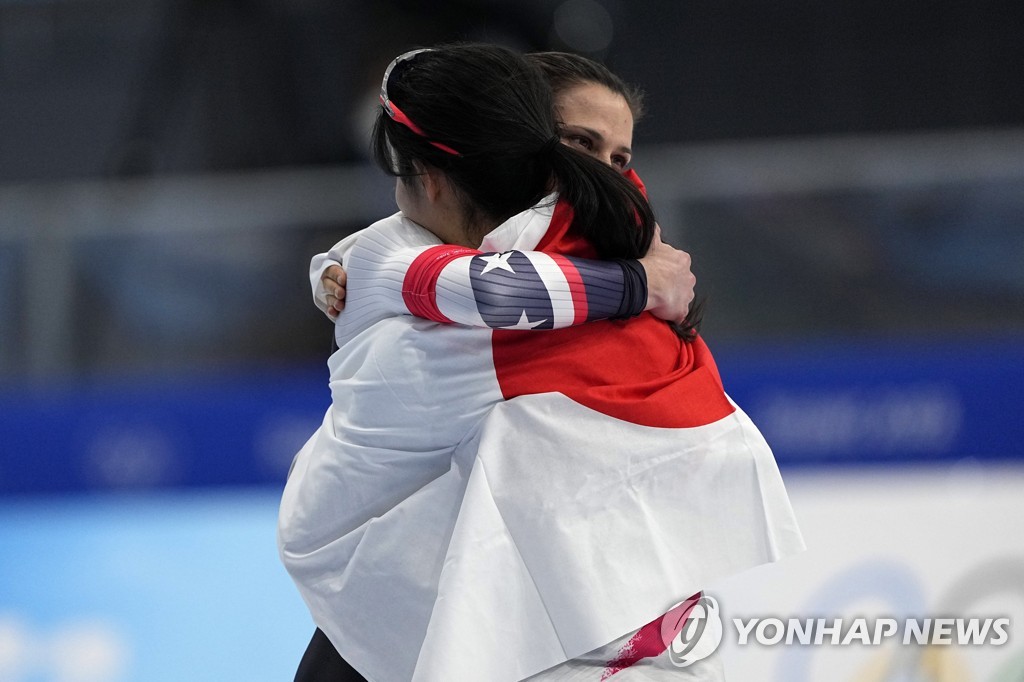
634,289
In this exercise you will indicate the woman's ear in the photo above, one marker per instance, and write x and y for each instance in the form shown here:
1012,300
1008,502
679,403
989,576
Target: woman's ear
434,183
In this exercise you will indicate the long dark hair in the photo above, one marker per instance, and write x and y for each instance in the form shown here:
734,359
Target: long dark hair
484,116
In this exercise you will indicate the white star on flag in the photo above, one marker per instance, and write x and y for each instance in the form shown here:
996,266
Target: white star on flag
497,260
524,323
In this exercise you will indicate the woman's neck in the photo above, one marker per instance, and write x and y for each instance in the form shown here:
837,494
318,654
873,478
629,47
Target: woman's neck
439,208
456,227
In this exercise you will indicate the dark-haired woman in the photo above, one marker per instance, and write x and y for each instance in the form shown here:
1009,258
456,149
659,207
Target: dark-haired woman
493,504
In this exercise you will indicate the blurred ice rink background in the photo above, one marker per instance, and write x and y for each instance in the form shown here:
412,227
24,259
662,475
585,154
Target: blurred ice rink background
848,175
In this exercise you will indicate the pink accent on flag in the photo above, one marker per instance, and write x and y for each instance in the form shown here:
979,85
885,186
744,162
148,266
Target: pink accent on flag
652,639
419,288
576,288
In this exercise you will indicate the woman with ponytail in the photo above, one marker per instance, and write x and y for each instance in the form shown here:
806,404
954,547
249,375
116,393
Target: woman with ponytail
493,504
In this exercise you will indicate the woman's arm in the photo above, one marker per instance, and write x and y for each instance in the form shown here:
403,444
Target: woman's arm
454,284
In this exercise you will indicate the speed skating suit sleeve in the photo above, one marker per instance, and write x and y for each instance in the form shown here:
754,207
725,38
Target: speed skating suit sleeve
520,289
513,289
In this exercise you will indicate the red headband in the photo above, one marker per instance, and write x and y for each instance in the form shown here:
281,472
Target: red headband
397,114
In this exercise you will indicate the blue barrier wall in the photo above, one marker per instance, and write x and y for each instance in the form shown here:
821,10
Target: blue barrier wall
878,402
821,404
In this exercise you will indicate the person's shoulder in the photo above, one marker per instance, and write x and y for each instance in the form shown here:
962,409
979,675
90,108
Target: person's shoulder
396,231
524,230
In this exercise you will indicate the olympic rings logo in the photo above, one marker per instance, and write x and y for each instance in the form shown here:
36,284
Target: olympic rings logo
899,588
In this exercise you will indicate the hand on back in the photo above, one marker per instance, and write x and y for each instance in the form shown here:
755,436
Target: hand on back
334,280
670,282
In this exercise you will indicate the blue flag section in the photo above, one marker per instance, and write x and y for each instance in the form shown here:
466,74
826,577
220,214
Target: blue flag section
821,404
488,275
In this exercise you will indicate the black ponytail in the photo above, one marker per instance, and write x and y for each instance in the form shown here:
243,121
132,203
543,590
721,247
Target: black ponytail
609,210
599,194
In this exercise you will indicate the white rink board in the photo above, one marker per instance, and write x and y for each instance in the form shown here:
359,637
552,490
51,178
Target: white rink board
944,541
